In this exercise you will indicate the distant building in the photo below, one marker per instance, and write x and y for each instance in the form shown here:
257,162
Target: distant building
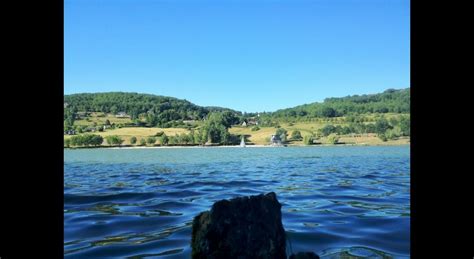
122,115
252,121
70,132
65,105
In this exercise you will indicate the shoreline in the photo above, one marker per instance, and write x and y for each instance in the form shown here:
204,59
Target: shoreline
238,146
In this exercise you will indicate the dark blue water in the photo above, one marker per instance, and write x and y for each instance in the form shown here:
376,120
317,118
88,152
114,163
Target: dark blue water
340,202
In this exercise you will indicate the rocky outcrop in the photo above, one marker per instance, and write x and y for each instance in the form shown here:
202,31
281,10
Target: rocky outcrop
244,227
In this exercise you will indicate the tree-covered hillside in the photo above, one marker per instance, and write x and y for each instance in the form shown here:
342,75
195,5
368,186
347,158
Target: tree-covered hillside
390,101
157,109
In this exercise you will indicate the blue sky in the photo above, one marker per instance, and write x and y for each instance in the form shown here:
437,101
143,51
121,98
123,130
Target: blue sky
247,55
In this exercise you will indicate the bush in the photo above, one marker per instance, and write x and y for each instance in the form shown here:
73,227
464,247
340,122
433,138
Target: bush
151,140
308,140
333,139
282,133
296,135
255,128
381,126
159,134
393,133
164,140
86,140
67,142
327,130
114,140
142,142
382,137
133,140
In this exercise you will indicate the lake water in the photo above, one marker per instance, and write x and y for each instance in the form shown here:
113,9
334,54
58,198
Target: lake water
336,200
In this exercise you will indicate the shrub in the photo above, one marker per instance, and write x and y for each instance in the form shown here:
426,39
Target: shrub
114,140
255,128
142,142
296,135
86,140
282,133
328,129
333,139
151,140
308,140
393,133
382,137
133,140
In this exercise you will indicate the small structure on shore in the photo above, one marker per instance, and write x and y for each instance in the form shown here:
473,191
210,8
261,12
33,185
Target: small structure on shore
242,141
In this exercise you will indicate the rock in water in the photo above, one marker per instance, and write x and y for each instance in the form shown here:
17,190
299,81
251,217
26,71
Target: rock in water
304,255
244,227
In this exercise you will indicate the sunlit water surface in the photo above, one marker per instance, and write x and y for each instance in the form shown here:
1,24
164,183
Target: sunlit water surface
340,202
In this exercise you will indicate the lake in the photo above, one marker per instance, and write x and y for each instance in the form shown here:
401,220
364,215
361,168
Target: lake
336,200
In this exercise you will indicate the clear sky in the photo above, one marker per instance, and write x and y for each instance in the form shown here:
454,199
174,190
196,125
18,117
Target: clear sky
247,55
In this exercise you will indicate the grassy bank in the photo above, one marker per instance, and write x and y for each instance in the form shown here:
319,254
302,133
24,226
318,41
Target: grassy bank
259,137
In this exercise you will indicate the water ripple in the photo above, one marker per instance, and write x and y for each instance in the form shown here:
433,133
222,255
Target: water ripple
340,202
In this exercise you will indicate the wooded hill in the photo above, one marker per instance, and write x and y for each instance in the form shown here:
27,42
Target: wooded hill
390,101
158,110
162,110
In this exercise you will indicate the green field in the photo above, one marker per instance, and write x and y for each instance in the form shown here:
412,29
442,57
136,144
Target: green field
259,137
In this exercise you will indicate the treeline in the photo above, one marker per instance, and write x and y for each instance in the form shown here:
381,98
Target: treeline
161,111
215,130
390,101
156,110
84,140
385,129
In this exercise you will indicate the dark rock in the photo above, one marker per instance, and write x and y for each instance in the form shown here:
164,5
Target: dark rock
244,227
304,255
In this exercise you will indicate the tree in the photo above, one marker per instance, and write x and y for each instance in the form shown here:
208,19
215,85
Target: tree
327,112
151,140
296,135
328,129
133,140
282,133
308,140
393,133
142,142
164,139
86,140
67,142
107,122
114,140
215,129
96,140
405,125
382,137
333,138
382,125
229,119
